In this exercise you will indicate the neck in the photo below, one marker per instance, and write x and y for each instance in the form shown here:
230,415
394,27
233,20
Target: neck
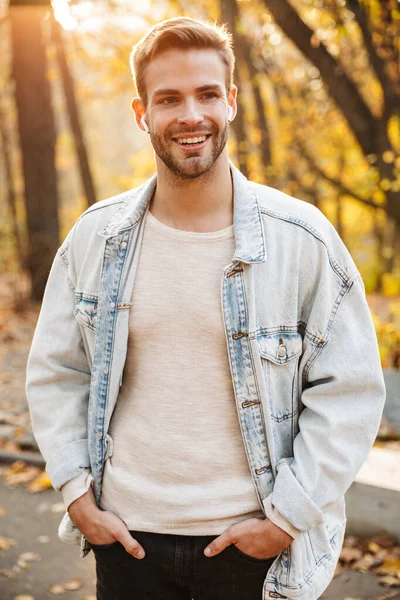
202,204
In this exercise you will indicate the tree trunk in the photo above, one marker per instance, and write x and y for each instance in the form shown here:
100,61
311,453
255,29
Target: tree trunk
69,92
37,135
380,238
228,10
5,153
265,143
339,201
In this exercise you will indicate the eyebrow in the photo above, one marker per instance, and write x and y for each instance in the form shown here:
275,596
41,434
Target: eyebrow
202,88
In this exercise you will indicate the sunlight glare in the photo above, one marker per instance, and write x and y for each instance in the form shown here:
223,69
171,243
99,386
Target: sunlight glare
89,16
62,13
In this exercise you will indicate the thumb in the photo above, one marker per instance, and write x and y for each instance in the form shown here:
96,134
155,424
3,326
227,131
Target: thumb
131,545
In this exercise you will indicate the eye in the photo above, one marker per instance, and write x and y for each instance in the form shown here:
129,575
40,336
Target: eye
211,94
165,100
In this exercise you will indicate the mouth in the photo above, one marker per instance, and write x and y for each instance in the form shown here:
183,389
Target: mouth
192,143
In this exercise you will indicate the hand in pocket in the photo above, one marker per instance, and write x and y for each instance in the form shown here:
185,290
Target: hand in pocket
101,527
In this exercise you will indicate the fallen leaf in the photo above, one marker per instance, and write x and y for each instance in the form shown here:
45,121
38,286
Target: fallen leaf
42,482
8,573
349,555
18,431
384,539
374,547
6,543
9,419
3,512
389,581
390,566
17,466
20,473
22,563
43,539
57,589
29,556
23,597
11,446
367,563
14,479
73,585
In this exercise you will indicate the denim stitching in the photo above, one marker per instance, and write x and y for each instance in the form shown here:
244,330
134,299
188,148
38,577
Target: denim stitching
338,302
296,221
94,208
86,296
66,266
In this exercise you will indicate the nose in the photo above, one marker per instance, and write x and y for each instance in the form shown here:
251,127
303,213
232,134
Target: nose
191,115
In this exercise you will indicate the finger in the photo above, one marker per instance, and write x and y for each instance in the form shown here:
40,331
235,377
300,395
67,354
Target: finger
131,545
218,544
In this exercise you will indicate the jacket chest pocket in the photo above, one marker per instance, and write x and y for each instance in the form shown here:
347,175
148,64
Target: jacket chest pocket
85,312
280,354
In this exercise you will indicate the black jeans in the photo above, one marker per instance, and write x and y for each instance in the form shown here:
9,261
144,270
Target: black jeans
175,568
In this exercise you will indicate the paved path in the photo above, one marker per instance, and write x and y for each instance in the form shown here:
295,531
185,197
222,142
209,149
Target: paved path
30,516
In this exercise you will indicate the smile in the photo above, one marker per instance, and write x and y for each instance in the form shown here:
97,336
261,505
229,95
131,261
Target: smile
192,143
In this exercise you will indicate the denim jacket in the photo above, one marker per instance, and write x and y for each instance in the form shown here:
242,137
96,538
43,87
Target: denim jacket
302,349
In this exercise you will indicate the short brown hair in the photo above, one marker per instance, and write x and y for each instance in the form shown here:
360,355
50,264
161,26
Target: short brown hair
180,32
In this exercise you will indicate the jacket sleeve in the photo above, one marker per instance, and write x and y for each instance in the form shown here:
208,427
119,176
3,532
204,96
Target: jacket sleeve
76,487
58,380
343,402
279,520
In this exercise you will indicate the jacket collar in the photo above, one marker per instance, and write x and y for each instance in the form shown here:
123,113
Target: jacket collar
247,222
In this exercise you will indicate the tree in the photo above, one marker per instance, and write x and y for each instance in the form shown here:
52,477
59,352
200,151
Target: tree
37,135
244,60
72,109
372,131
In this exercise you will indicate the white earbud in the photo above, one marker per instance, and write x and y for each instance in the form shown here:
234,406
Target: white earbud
145,126
230,113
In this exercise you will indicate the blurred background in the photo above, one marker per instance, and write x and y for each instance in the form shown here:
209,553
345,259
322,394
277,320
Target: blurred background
318,118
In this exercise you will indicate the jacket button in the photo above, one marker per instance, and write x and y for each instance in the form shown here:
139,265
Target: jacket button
236,336
123,244
112,304
99,434
106,370
282,351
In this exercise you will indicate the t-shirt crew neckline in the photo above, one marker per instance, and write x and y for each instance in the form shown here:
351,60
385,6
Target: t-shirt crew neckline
189,236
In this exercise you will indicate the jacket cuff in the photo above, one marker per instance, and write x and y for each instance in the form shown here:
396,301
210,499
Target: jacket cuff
76,487
278,519
68,462
291,500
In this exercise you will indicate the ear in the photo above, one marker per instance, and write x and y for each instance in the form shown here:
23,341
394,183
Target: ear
232,102
140,111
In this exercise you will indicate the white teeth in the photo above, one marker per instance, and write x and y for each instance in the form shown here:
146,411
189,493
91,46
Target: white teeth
195,140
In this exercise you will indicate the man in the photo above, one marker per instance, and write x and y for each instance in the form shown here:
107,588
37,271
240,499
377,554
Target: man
252,389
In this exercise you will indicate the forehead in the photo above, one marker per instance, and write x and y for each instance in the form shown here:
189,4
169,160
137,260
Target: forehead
184,70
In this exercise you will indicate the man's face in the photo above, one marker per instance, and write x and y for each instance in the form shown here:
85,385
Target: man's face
187,99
